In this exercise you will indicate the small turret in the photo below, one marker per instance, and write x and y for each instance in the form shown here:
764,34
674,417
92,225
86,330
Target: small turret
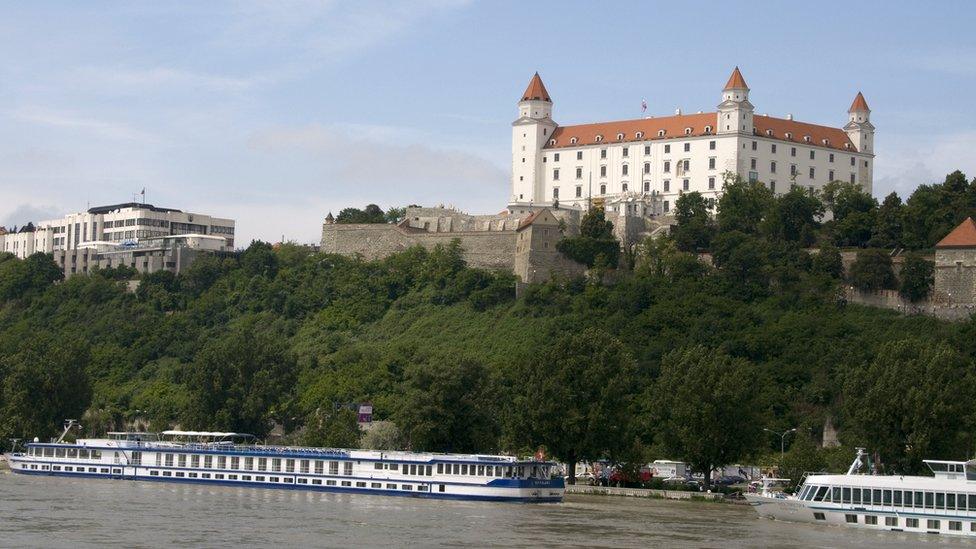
735,111
859,127
329,220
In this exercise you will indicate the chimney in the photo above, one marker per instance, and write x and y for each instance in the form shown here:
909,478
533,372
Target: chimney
789,116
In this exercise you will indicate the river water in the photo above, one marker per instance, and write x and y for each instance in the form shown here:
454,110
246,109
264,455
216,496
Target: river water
61,512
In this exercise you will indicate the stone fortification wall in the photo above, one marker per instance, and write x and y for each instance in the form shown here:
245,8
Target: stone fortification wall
483,249
955,274
937,306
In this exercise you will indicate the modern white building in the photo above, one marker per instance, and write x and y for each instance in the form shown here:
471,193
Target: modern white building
643,165
119,224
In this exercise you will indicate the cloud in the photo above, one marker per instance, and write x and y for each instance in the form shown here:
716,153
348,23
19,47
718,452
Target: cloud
74,121
119,79
25,213
905,164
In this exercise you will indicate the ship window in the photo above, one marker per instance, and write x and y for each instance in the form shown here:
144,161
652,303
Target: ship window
319,467
270,479
472,469
208,462
440,468
154,473
303,481
167,474
180,474
232,477
430,470
235,462
169,460
347,468
464,469
195,460
413,470
83,454
891,521
276,465
440,488
360,485
481,470
870,519
897,498
929,500
819,516
317,481
59,452
218,476
835,494
955,525
248,464
851,519
378,466
406,487
856,496
972,502
951,502
262,464
391,486
330,483
193,475
333,467
376,485
346,483
289,466
222,462
92,470
933,524
887,497
48,452
961,502
72,452
940,501
182,460
911,523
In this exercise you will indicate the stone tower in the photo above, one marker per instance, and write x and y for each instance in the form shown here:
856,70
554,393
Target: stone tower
859,127
530,132
735,110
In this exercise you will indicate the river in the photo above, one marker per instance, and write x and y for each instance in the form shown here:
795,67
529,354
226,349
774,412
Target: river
60,512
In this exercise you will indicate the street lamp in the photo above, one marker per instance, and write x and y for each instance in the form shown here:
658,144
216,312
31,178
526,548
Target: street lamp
782,440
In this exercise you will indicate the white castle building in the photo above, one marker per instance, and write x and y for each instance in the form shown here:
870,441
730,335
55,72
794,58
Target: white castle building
640,167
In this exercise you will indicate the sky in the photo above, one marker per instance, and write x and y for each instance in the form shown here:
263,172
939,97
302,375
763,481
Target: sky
276,113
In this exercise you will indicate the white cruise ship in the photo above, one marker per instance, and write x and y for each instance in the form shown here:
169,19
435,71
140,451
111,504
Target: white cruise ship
223,458
941,504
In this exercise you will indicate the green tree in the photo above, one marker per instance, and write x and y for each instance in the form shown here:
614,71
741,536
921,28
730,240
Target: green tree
887,232
43,383
395,215
854,211
828,261
743,205
706,407
743,263
916,278
872,271
595,243
575,398
382,435
371,214
794,217
238,381
450,407
332,428
911,402
694,228
802,458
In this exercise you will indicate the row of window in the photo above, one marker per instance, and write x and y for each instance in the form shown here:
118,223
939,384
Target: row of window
70,468
890,498
685,186
291,480
930,524
686,147
247,463
73,453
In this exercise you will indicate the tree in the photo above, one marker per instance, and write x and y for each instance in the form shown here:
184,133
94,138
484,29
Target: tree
332,428
854,211
828,261
41,384
371,214
694,228
259,259
395,215
449,407
802,458
916,278
743,204
911,402
595,243
706,407
743,263
872,271
237,381
794,217
887,232
382,435
574,397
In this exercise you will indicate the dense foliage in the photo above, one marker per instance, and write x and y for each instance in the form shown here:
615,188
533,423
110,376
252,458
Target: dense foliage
673,357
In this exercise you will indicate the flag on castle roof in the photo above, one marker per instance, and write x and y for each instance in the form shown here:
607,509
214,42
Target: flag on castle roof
963,236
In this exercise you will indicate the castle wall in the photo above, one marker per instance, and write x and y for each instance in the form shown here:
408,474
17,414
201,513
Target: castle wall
955,274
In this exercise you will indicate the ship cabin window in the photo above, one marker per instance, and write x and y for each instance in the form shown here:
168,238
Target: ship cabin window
347,468
304,467
464,469
72,452
235,462
378,466
262,464
208,462
333,467
360,485
169,460
394,466
84,454
48,452
457,468
481,470
195,461
346,483
440,468
319,467
182,460
59,452
376,485
248,464
276,465
289,466
221,462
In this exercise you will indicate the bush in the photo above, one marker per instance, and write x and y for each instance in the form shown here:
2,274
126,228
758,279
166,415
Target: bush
872,271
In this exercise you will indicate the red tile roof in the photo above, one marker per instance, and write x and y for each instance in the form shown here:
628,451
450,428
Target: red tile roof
528,220
963,236
859,104
675,128
736,81
536,90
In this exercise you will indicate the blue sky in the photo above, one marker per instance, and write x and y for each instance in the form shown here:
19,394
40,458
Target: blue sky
275,113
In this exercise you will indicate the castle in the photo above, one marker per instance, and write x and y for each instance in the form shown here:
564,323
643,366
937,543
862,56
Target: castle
634,169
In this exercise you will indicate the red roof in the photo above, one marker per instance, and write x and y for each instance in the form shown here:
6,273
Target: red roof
675,127
859,104
530,219
536,90
963,236
736,81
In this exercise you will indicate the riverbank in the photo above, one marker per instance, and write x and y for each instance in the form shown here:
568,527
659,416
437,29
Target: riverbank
644,493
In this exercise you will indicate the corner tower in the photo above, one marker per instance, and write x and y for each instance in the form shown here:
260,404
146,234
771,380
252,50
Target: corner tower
859,127
735,110
530,132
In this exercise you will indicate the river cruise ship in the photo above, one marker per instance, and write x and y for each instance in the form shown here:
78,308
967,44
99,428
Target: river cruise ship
230,459
941,504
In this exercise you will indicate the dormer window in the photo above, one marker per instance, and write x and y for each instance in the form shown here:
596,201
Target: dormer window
660,133
573,141
639,135
806,138
552,141
687,131
599,138
789,135
847,146
826,142
620,137
769,133
708,129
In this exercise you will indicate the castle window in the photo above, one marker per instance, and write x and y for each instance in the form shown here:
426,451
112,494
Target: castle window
687,147
579,173
772,167
667,166
788,136
667,206
603,171
852,179
772,148
579,155
826,142
769,133
639,135
599,138
754,145
831,158
579,191
603,189
830,175
667,185
555,175
573,140
626,152
555,157
708,129
772,186
711,145
660,133
555,192
647,186
647,150
687,131
853,162
752,163
603,153
552,141
620,137
865,163
847,146
811,172
684,184
792,151
647,167
624,187
667,149
711,183
711,163
806,138
793,169
685,164
624,169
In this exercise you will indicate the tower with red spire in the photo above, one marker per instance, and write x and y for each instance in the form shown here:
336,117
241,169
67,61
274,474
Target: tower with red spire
530,133
735,111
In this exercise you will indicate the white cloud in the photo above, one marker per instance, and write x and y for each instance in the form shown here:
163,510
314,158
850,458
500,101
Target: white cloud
119,79
24,213
906,163
74,121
